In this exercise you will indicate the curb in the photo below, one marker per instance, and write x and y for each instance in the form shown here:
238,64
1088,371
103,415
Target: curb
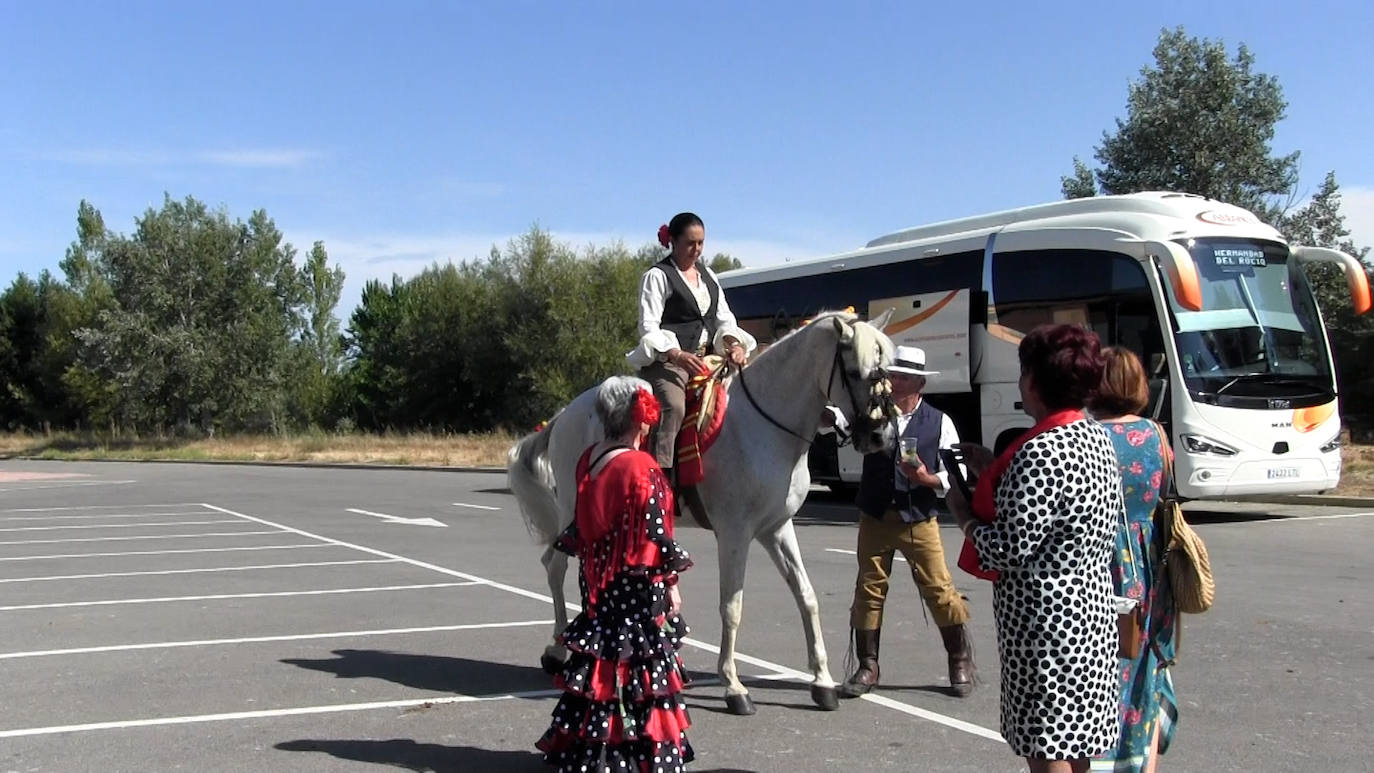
268,463
1310,500
1314,500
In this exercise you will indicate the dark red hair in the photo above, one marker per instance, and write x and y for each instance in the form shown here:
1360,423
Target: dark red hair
1065,363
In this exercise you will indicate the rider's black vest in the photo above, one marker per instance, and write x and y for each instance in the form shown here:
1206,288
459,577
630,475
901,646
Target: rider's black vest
681,314
878,490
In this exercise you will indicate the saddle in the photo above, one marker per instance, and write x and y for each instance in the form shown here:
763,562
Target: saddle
705,413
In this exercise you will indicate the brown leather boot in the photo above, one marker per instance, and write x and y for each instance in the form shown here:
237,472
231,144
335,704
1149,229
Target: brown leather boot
866,677
961,666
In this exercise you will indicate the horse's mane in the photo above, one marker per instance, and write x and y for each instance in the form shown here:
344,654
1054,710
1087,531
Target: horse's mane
868,339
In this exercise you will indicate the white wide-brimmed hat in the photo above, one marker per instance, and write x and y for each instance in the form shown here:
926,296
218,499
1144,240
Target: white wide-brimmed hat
911,360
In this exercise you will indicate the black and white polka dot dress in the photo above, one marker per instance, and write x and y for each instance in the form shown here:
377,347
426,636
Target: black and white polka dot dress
622,708
1058,507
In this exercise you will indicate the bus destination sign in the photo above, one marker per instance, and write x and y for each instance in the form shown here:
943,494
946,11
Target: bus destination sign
1238,258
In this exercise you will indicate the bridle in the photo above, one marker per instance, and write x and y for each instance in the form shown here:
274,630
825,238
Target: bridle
875,399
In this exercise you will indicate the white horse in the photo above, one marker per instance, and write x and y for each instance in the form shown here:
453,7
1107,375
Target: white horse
756,472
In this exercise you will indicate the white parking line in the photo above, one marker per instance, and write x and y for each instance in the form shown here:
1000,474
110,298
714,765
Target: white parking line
198,571
120,525
475,507
301,546
97,515
141,536
93,507
258,639
899,556
780,670
438,700
1315,517
72,485
276,594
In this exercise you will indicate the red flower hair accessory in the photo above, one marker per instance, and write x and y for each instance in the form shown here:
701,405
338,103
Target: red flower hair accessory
645,409
664,237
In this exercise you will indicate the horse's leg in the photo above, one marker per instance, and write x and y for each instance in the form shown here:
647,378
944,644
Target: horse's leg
732,551
781,545
556,565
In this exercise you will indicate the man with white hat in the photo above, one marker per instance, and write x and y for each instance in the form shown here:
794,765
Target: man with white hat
897,496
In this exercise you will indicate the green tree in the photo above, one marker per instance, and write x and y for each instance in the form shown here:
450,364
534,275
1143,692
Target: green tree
1197,122
502,342
203,311
317,356
722,262
1320,223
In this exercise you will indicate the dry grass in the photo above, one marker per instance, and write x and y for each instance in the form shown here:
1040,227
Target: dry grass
412,449
417,449
1357,473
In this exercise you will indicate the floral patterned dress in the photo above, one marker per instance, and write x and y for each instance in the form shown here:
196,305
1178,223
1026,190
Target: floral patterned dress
1147,689
622,708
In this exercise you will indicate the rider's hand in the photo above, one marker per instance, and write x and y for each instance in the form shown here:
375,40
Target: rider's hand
737,355
674,600
686,360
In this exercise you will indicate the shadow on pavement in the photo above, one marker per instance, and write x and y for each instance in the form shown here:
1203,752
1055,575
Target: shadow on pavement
407,754
430,672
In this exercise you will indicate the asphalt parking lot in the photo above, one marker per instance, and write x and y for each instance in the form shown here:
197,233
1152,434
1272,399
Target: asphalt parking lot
228,618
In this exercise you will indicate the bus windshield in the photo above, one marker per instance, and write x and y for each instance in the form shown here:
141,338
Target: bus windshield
1258,336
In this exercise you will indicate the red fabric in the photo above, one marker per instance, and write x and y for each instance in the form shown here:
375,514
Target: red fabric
984,506
691,444
611,507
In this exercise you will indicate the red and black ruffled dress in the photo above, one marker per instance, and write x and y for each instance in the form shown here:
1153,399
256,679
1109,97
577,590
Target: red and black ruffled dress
622,708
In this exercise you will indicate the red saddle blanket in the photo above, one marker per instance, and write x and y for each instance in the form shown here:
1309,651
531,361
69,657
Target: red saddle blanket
705,414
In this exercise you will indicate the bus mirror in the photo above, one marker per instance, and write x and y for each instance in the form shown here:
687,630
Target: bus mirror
1355,277
1182,273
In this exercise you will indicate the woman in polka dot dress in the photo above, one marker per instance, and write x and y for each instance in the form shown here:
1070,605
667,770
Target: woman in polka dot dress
1042,526
622,708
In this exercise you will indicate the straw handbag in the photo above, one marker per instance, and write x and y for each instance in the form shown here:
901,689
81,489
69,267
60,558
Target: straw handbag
1185,557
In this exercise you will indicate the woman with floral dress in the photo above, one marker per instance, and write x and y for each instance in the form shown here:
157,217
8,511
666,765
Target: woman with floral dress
1148,708
622,708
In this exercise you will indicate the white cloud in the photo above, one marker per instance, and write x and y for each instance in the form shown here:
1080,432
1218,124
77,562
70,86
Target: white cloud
256,158
1357,204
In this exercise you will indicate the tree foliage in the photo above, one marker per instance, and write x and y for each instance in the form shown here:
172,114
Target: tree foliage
1320,223
1197,121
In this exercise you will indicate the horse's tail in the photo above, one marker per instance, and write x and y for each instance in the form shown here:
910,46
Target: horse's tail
531,480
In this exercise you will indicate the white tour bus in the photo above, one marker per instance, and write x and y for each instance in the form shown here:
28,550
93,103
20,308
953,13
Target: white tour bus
1214,301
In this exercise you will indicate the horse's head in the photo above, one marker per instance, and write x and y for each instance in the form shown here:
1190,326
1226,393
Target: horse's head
858,383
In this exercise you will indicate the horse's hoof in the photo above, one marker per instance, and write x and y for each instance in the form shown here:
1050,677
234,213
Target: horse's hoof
825,697
551,665
740,705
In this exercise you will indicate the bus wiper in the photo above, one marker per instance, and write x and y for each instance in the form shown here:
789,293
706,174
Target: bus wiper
1266,378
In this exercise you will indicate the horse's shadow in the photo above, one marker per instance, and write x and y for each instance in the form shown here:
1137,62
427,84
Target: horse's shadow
430,672
406,753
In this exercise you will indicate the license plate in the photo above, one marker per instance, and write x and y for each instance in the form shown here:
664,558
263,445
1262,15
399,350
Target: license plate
1283,472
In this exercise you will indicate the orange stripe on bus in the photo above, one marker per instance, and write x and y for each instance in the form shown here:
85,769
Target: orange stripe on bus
910,322
1359,289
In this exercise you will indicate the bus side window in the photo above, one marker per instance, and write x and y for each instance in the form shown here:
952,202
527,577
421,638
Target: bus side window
1104,291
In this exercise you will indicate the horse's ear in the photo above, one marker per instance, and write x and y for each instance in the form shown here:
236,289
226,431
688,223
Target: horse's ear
881,321
844,330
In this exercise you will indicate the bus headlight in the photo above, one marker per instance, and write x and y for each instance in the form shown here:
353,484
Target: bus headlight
1198,444
1334,444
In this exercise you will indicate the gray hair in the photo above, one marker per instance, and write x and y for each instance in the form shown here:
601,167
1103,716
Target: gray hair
615,401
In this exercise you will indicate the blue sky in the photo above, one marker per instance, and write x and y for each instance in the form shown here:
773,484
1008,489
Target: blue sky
402,133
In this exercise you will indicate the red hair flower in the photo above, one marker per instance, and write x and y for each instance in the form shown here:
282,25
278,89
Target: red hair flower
645,409
664,237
